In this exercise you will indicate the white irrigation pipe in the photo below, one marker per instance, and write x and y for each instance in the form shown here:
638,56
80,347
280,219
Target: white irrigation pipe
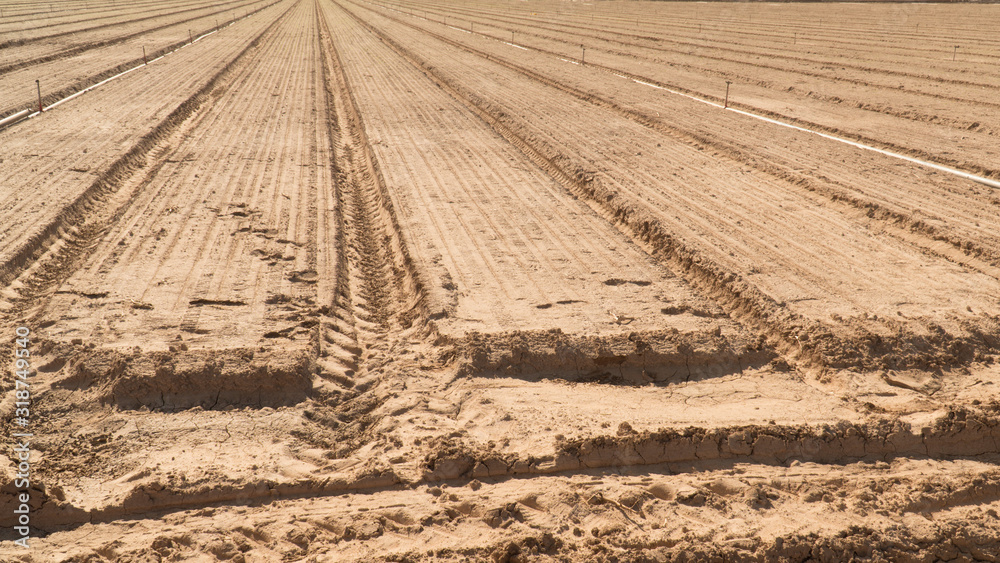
939,167
949,170
695,98
106,80
23,114
87,89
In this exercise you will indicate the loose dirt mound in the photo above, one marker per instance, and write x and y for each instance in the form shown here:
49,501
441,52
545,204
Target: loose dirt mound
656,355
181,380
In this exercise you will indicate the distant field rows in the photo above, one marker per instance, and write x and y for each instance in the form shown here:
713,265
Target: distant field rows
788,213
59,177
397,253
896,90
66,58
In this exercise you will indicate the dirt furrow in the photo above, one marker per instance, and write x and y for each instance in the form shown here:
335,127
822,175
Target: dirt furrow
81,164
647,102
751,55
32,57
117,26
220,201
344,283
958,436
741,513
78,68
938,132
80,17
786,297
607,288
216,249
784,90
57,186
217,225
967,224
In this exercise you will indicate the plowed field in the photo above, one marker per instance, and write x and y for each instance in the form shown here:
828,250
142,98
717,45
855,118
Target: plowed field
339,280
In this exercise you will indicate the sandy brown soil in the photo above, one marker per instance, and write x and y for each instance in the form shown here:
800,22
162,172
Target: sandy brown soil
409,281
78,44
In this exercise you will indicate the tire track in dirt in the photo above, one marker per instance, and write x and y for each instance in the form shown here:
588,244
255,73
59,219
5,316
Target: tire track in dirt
821,489
731,286
746,509
338,329
206,162
380,293
545,262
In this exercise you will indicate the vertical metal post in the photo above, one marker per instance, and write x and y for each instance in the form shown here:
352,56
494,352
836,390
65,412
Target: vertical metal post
190,37
726,105
512,36
955,53
144,61
38,85
583,56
